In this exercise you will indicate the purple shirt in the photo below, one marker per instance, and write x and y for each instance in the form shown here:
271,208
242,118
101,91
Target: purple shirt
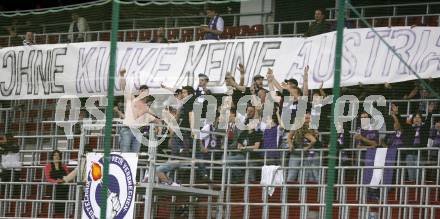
396,139
270,141
372,135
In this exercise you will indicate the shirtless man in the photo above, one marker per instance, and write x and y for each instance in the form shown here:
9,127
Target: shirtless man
136,113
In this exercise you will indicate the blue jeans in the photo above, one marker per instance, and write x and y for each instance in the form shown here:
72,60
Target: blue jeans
128,141
235,173
411,160
311,175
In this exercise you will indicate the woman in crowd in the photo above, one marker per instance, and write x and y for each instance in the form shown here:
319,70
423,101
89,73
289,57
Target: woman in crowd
55,171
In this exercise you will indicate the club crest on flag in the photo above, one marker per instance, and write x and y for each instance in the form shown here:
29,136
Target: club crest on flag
121,186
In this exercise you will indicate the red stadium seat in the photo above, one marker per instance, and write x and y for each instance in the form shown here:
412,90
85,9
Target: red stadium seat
381,22
431,21
121,36
351,23
4,41
40,39
104,36
144,35
243,30
257,29
416,20
397,21
53,39
131,36
187,35
229,32
172,34
200,35
363,25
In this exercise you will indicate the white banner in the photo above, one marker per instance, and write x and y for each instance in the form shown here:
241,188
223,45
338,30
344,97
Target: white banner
50,71
121,185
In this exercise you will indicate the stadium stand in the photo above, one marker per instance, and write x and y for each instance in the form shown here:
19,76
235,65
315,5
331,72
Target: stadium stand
37,134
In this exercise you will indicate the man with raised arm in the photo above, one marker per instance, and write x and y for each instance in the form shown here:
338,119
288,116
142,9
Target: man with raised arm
135,111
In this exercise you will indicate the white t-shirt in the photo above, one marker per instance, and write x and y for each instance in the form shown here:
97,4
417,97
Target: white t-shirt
11,161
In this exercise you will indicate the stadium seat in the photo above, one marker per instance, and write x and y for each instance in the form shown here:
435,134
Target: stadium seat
381,22
416,20
397,21
121,36
432,21
104,36
200,35
40,39
144,35
53,39
257,29
243,30
172,34
229,32
363,25
131,36
187,35
4,41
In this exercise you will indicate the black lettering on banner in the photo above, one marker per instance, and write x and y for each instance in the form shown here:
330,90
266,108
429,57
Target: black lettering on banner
40,73
191,63
141,63
82,71
422,45
238,57
374,49
100,69
57,69
261,60
9,55
352,39
24,69
48,66
402,50
250,63
159,65
211,63
324,64
298,66
431,57
226,61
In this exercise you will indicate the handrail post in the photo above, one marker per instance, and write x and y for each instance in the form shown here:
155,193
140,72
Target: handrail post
79,172
152,146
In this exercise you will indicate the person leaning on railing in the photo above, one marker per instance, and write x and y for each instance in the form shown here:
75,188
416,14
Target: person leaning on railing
319,26
54,172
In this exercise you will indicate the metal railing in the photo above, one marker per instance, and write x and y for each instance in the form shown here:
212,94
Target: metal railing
394,8
405,200
190,33
166,22
402,196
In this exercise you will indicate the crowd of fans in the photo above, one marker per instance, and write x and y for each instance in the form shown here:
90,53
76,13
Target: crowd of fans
270,132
